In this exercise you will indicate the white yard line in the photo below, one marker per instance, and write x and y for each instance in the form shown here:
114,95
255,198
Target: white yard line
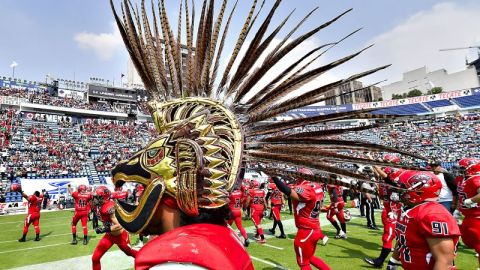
267,262
13,222
47,236
30,248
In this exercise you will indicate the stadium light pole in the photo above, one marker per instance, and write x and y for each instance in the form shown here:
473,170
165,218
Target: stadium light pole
13,65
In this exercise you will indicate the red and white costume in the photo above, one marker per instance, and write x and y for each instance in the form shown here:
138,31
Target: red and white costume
470,227
390,213
122,240
276,199
257,206
337,204
306,214
82,208
426,220
236,208
33,217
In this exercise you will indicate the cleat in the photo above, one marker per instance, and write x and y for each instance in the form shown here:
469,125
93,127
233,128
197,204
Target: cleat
272,231
261,241
325,240
74,241
21,240
246,243
374,262
37,239
85,241
373,228
282,236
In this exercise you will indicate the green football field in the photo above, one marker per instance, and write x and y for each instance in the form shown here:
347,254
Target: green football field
55,252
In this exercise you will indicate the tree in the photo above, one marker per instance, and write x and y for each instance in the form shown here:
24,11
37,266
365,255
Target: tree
414,93
380,99
436,90
397,96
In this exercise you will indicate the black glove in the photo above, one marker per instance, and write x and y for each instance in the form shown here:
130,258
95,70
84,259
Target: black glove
100,230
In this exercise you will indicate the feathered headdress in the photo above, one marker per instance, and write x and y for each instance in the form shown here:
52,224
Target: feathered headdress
211,121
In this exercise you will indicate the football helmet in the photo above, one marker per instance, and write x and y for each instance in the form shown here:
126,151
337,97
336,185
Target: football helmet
255,183
118,188
304,171
466,162
395,173
16,187
473,169
420,186
392,158
82,188
102,195
347,215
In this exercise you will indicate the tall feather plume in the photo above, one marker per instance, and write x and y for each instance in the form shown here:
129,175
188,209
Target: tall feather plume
178,46
238,46
159,54
330,156
189,77
199,50
169,49
207,41
257,54
307,98
353,144
212,48
247,61
273,60
220,50
277,127
275,94
255,18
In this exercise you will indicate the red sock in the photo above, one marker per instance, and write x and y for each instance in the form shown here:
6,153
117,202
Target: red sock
74,229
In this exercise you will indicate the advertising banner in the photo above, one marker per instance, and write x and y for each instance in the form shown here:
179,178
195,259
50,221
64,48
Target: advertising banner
318,110
13,101
54,118
405,101
55,187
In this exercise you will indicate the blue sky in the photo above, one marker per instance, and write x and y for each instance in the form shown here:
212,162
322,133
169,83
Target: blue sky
64,38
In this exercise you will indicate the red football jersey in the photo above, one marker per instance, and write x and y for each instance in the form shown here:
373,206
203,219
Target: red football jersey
338,190
385,192
427,220
82,200
120,195
258,199
34,204
468,189
276,196
308,209
107,209
236,200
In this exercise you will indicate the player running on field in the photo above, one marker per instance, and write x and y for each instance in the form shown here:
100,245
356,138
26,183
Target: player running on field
82,208
33,216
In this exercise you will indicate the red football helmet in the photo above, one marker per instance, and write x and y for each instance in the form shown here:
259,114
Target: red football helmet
82,188
392,158
466,162
102,195
118,188
420,186
304,171
394,174
255,183
473,169
15,187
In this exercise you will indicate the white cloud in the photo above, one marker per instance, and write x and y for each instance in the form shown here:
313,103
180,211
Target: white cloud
416,42
105,45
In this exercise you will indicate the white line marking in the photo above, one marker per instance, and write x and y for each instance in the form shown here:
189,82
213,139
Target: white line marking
279,248
12,222
47,236
268,263
22,249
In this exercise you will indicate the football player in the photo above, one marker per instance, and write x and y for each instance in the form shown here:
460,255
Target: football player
307,201
114,233
336,209
236,207
257,204
427,233
469,199
33,217
82,201
276,202
390,213
120,194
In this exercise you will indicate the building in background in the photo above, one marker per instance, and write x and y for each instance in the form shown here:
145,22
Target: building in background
424,81
368,94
